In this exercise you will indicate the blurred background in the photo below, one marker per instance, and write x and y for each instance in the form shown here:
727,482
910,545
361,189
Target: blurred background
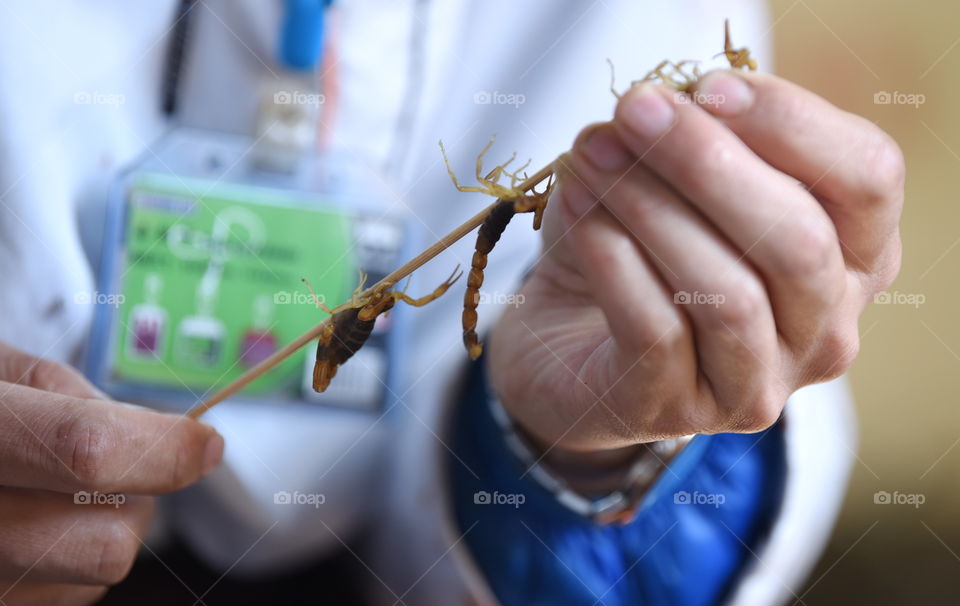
896,63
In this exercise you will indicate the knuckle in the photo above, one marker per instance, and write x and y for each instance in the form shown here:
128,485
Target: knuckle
682,416
84,445
739,310
888,267
43,374
798,111
884,172
811,252
656,344
759,412
644,206
671,411
838,350
610,258
706,163
113,553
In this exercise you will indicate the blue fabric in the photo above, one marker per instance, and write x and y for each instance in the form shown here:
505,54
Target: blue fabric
541,553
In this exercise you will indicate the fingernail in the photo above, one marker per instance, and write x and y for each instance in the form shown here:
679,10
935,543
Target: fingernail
646,112
604,149
213,453
725,94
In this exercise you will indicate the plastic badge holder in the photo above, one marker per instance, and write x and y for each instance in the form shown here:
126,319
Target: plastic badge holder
205,254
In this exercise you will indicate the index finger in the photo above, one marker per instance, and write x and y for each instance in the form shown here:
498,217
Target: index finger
854,168
58,442
18,366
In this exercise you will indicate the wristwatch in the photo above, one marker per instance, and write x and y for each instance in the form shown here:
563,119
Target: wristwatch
617,507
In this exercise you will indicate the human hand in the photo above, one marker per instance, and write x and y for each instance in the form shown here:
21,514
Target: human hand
703,259
71,464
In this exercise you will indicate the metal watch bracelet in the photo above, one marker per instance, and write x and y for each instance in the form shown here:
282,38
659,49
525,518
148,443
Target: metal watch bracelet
619,506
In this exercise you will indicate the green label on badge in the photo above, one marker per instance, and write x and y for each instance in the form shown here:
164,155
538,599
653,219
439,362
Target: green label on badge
211,281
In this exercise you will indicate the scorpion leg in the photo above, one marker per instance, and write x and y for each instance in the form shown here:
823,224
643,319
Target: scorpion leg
686,81
737,57
727,43
485,182
406,287
355,299
536,202
654,73
360,284
613,79
480,157
316,298
453,175
515,177
436,294
488,184
492,177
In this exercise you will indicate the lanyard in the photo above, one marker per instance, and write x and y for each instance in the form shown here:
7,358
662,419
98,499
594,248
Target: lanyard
302,34
174,63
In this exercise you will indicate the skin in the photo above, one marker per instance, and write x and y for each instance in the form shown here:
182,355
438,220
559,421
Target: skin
59,435
769,199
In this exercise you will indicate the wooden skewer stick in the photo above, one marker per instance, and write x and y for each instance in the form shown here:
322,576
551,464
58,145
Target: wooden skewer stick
398,274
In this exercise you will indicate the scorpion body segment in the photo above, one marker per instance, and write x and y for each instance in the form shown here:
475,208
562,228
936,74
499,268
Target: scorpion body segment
487,237
347,333
352,324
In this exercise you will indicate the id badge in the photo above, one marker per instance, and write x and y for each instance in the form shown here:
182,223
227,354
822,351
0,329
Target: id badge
205,255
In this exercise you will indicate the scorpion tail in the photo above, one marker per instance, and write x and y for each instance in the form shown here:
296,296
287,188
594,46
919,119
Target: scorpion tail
487,237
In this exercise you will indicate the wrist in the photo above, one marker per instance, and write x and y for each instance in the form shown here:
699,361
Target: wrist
588,472
606,486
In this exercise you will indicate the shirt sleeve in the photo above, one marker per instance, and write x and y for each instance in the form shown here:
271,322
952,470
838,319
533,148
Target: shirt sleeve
694,534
